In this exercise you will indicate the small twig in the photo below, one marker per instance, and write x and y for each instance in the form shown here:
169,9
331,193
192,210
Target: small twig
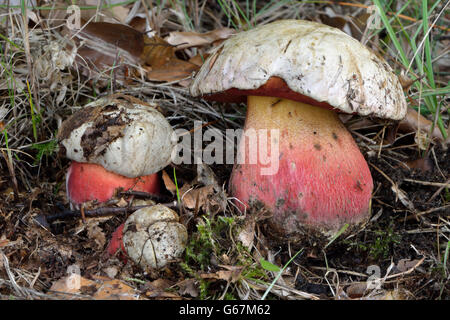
427,183
438,191
95,213
145,195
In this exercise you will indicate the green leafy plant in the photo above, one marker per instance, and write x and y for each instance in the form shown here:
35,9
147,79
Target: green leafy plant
44,149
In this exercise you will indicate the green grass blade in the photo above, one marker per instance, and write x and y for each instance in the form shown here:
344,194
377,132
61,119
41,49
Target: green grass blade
279,275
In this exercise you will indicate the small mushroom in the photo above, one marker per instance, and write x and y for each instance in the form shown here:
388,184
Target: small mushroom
114,142
151,237
295,75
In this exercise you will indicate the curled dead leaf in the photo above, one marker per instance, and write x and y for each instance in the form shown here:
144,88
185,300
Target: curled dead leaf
414,121
406,264
422,164
199,59
232,274
173,70
182,40
169,183
247,234
188,287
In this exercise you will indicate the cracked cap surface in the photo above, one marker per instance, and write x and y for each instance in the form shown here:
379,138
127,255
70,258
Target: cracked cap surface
319,64
129,138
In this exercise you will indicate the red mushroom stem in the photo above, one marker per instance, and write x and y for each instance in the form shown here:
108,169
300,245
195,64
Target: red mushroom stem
323,180
116,245
87,182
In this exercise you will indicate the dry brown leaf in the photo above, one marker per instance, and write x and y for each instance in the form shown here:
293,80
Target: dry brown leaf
174,70
405,264
199,59
182,40
96,233
413,121
356,290
103,45
232,274
101,289
188,287
157,52
195,198
71,284
209,197
115,290
423,164
111,45
139,24
169,183
247,233
157,289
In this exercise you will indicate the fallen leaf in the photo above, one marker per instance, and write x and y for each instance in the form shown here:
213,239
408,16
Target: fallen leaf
138,23
71,284
96,233
405,264
247,233
356,290
101,289
106,46
158,289
195,198
199,59
232,274
413,121
115,290
103,45
173,70
157,52
170,186
188,287
423,164
183,40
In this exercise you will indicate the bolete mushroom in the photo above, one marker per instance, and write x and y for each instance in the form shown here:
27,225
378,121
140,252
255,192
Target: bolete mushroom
295,75
151,237
114,142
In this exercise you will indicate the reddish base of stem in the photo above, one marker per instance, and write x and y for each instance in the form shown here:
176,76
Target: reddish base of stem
116,246
87,182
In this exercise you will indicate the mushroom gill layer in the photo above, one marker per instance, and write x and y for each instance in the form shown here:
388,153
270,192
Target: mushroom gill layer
322,181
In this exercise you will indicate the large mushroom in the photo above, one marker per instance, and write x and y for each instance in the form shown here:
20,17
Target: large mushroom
295,75
114,143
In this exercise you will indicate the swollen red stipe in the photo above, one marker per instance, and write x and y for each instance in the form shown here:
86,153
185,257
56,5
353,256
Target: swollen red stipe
87,181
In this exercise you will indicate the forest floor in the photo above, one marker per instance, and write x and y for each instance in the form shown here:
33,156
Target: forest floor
401,253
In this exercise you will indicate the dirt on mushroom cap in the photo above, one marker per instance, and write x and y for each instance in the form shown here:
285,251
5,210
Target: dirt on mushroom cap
127,138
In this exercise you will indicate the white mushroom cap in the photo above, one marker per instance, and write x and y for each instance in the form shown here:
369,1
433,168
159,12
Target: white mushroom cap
153,236
129,138
315,60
